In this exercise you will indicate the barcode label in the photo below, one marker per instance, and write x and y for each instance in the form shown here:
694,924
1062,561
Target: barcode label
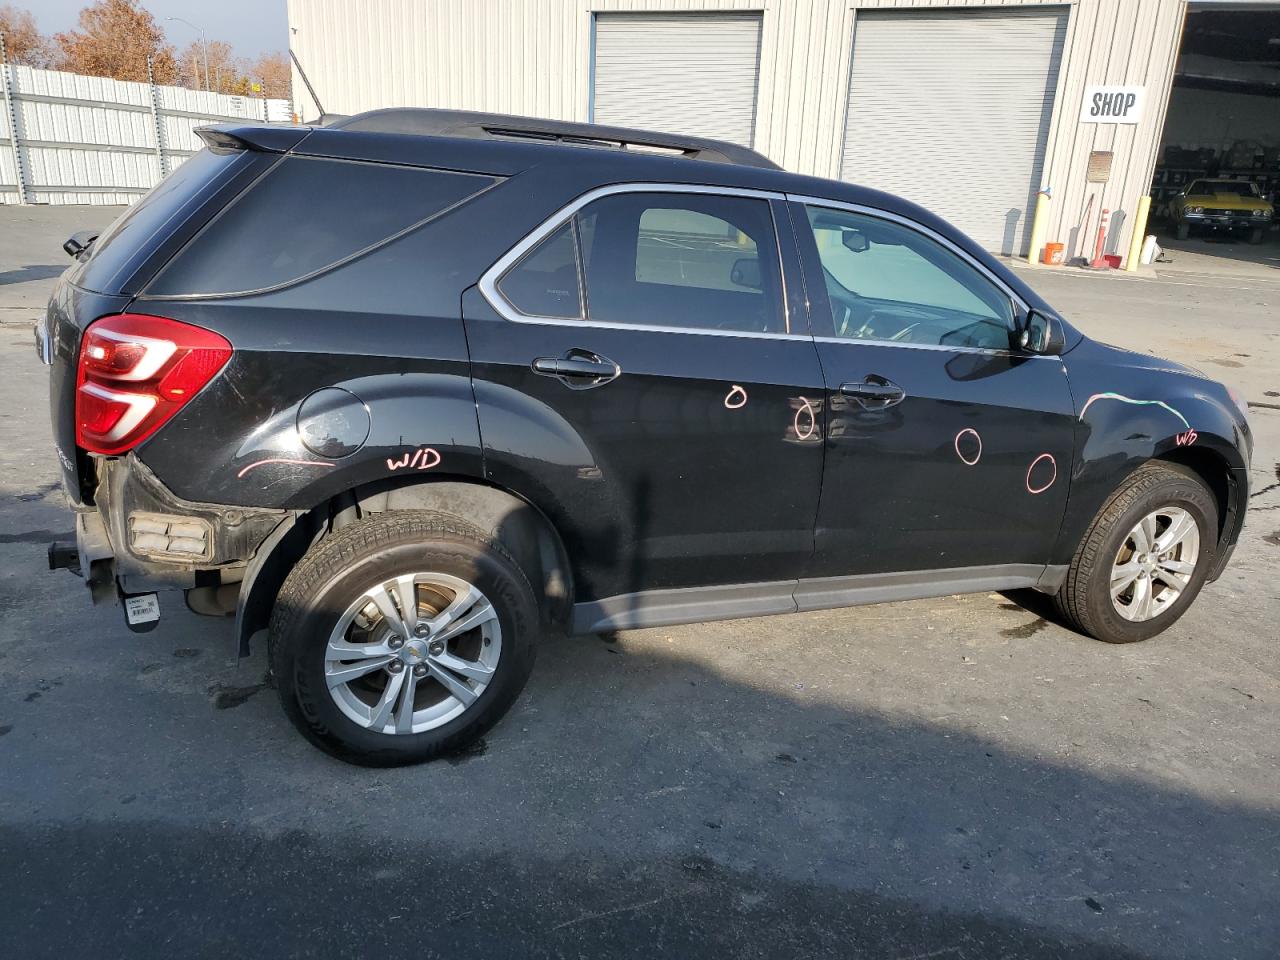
143,609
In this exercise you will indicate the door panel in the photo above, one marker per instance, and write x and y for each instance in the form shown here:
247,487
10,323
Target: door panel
666,456
938,456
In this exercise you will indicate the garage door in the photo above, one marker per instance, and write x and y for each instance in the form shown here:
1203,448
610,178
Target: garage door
693,74
952,110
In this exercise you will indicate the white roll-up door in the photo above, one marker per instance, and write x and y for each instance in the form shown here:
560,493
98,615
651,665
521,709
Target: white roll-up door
695,74
952,110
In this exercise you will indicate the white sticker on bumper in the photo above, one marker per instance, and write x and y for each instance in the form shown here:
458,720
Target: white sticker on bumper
142,609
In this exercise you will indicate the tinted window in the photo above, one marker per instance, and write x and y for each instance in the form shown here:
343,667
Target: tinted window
545,282
682,260
306,215
148,220
889,282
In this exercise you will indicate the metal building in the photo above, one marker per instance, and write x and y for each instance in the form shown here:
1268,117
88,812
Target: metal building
971,108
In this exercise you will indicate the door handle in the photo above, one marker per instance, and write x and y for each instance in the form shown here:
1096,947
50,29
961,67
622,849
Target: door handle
874,393
578,369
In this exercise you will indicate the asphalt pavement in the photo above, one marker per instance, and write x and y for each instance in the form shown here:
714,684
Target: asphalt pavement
958,778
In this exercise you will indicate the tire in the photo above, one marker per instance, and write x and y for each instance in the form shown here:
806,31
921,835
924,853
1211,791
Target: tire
1183,231
1085,600
436,556
1255,235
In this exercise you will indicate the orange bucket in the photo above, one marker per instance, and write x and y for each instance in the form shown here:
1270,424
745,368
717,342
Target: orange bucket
1052,254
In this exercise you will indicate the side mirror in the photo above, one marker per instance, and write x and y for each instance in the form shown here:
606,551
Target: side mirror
854,240
746,273
1041,334
78,243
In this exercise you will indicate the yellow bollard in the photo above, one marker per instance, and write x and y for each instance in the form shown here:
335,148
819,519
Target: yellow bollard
1139,234
1038,222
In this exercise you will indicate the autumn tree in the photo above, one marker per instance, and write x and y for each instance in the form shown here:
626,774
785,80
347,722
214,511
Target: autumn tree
23,42
272,74
223,66
114,39
267,76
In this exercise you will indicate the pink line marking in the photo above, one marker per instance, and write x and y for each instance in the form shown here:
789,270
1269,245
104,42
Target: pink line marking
1043,456
813,421
263,463
977,437
730,401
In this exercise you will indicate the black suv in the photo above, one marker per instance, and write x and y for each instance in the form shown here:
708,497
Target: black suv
412,388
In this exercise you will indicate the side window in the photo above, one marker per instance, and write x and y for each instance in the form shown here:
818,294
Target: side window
304,216
694,261
544,283
889,282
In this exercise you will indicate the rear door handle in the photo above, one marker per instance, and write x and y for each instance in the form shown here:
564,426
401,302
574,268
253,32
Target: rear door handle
874,393
578,369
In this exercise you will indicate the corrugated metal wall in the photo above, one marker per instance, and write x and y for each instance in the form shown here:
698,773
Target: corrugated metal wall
534,57
93,140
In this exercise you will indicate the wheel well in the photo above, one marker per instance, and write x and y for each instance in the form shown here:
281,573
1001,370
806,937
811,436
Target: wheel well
1214,471
517,524
523,529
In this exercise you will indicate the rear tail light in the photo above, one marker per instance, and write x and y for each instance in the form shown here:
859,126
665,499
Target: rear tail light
136,372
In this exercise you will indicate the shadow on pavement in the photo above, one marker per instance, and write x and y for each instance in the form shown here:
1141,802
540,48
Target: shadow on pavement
32,271
635,803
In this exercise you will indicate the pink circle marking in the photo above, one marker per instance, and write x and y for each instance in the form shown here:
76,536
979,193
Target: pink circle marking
1043,456
813,421
977,437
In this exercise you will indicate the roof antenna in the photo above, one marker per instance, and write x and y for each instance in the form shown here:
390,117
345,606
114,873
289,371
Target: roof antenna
310,89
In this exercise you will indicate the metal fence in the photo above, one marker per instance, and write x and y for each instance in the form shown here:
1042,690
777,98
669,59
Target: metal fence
66,138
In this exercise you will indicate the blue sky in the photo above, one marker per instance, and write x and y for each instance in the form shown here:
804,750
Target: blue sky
250,26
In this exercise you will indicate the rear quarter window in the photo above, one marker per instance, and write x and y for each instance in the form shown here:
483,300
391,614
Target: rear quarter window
139,229
306,215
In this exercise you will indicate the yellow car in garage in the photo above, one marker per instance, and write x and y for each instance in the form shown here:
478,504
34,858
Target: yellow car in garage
1221,205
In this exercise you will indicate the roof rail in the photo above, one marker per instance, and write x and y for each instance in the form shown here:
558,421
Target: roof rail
465,123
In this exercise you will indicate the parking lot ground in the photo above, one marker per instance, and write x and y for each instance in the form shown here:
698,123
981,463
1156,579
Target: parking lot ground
957,778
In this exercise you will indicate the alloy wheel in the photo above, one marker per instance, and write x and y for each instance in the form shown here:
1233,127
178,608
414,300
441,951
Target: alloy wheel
1155,563
412,653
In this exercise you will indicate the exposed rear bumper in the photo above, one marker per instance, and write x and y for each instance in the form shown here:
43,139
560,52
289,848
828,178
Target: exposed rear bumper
121,541
91,556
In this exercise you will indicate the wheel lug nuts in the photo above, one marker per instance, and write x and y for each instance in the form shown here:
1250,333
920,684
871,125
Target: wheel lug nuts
395,643
436,648
420,671
395,666
421,630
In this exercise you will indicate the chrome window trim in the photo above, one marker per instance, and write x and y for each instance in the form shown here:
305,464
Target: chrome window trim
488,282
988,351
919,228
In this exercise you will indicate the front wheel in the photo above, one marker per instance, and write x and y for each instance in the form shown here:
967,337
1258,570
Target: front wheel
402,638
1255,235
1184,231
1144,558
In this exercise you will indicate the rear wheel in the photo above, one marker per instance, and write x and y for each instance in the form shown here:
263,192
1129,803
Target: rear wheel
1144,558
402,638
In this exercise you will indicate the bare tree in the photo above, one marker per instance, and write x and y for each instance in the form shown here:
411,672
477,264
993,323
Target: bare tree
218,58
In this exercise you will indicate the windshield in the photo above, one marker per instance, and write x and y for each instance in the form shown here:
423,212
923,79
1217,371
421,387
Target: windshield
1239,188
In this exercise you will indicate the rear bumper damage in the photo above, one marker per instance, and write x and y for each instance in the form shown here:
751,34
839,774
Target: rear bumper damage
138,537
